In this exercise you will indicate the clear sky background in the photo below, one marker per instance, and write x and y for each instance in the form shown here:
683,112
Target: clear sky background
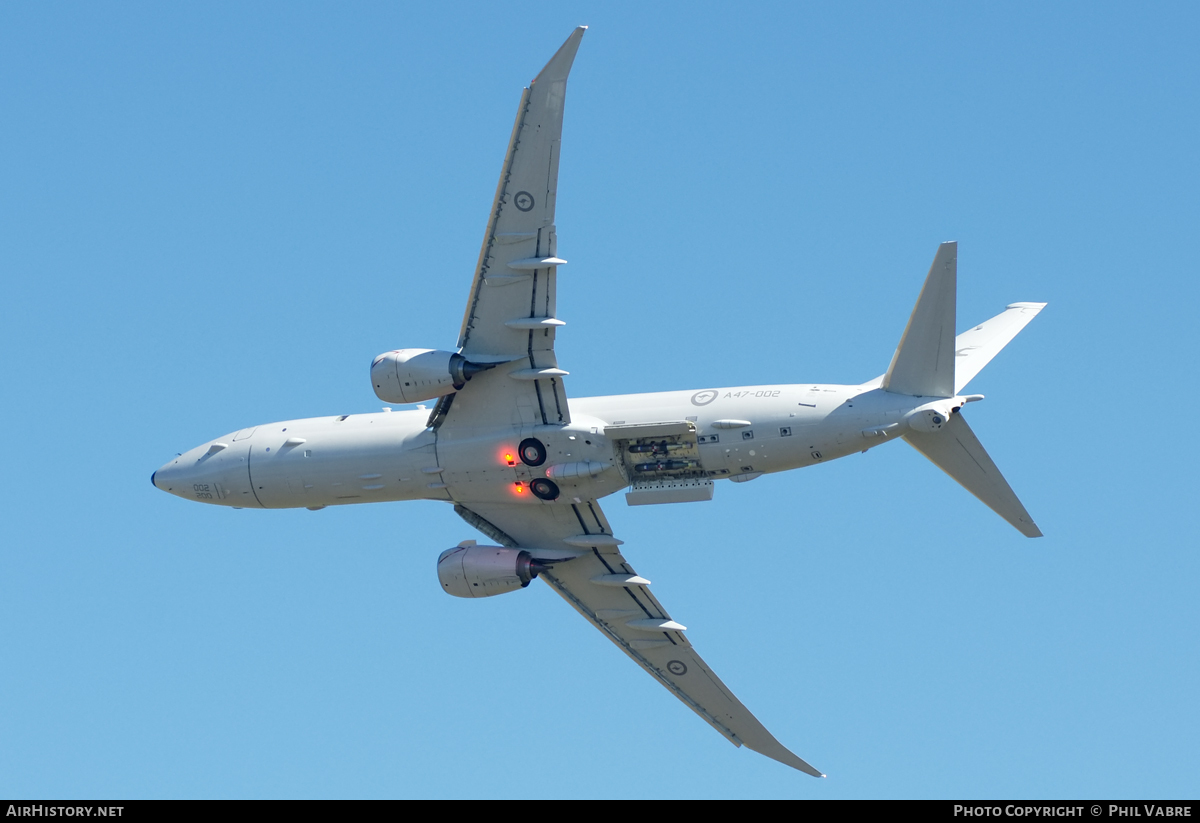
214,215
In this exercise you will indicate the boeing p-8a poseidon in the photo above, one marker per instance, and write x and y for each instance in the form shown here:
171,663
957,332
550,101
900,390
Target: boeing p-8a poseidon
526,465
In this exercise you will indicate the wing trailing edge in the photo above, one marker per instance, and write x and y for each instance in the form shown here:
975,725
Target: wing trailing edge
591,584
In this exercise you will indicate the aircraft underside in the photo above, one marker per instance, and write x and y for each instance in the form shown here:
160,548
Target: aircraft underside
526,465
664,447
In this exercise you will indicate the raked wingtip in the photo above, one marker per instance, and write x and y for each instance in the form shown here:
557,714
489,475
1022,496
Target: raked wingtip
560,64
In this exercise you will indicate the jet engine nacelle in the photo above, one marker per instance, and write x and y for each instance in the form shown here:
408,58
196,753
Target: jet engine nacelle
469,570
413,375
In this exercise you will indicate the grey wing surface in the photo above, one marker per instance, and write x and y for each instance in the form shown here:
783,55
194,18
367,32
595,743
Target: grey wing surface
510,317
601,585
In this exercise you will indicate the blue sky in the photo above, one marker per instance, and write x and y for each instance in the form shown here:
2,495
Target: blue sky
215,215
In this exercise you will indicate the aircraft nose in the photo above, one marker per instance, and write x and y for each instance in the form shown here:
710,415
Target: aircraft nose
209,473
167,477
162,477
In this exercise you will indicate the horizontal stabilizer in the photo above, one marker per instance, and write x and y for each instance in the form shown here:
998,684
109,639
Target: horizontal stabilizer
957,451
923,365
975,348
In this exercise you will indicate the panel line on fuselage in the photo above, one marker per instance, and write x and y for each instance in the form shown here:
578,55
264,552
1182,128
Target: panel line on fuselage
250,475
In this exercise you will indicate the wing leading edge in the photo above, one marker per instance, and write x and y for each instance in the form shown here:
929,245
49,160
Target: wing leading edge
601,585
511,313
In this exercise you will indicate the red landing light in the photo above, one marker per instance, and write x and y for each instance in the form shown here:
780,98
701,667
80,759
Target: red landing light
510,460
518,488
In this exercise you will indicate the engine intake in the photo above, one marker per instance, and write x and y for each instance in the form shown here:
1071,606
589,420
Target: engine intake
469,570
413,375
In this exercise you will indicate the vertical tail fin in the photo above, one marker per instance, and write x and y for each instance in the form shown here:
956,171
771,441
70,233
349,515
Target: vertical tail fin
923,365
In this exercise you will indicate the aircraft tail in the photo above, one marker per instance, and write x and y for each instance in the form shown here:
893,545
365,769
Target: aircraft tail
975,348
957,451
931,362
923,365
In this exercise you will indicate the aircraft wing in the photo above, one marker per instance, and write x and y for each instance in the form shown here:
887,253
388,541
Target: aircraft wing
510,315
601,585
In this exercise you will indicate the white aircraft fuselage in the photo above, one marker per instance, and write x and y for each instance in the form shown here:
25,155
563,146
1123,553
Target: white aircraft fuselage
742,432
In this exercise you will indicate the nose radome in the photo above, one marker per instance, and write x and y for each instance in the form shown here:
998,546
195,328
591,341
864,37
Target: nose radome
166,476
161,479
